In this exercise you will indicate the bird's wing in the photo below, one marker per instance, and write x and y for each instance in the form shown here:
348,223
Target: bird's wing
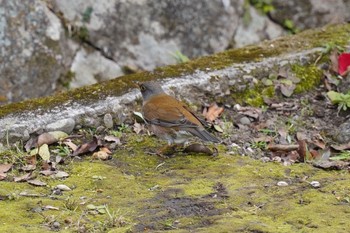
166,111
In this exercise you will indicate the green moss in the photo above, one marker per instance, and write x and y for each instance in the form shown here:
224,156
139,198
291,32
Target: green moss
145,191
309,76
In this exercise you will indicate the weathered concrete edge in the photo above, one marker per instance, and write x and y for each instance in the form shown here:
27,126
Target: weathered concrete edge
20,126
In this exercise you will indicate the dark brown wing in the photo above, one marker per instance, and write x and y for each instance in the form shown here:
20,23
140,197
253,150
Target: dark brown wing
166,111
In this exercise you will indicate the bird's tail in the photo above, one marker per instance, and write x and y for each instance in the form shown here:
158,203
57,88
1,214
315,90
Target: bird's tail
203,134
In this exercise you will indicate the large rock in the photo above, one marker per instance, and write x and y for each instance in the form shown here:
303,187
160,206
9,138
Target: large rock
33,53
146,34
311,13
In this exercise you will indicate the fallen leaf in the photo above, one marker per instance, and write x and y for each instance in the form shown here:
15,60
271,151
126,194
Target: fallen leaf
250,112
70,144
36,182
110,138
3,176
301,136
32,142
303,151
48,165
332,165
139,116
264,138
28,168
47,172
212,112
60,174
51,137
22,178
218,128
5,167
138,128
341,147
102,155
43,151
343,63
86,147
31,159
105,149
287,89
334,60
318,141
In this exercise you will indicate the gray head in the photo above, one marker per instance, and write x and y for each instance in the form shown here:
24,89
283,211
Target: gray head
149,89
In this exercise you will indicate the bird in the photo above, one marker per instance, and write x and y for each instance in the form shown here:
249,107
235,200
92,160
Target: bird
170,119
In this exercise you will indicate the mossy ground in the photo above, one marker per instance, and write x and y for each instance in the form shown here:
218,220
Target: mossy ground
143,192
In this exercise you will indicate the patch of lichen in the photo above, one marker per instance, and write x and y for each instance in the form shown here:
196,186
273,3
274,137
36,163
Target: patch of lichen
312,38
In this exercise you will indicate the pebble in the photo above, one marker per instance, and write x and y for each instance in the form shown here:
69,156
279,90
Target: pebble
282,183
244,120
65,125
56,225
315,184
108,121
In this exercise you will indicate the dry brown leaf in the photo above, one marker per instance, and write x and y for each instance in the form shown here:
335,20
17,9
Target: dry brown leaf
31,159
341,146
105,149
36,182
60,175
22,178
3,176
46,138
47,172
334,60
303,150
264,138
138,128
212,112
86,147
250,112
70,144
110,138
302,136
5,167
102,155
28,168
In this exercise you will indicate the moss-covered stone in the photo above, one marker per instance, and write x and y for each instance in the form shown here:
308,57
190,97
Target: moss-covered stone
337,34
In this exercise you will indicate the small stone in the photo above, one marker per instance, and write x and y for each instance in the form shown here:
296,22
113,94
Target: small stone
108,121
56,225
65,125
100,129
315,184
282,183
63,187
244,120
342,133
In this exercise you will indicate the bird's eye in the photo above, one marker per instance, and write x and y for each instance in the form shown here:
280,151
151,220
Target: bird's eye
142,88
